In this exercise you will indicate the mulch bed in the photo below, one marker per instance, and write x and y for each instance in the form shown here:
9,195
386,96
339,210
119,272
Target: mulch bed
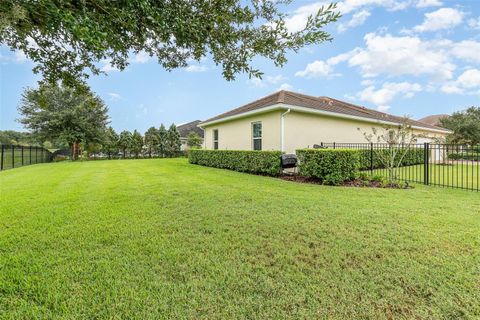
357,183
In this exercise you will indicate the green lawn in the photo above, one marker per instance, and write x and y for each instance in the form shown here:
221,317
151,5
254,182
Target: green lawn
466,175
162,239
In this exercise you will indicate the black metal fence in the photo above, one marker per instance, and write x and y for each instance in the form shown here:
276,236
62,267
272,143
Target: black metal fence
13,156
445,165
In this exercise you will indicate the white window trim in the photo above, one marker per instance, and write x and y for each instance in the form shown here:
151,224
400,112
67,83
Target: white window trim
257,138
213,139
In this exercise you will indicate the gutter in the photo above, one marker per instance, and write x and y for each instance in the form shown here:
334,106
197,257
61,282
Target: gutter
282,128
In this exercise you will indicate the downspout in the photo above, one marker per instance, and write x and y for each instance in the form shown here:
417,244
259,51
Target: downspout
282,128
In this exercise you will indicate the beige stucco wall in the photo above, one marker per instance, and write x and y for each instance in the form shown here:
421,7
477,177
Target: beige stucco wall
237,134
301,130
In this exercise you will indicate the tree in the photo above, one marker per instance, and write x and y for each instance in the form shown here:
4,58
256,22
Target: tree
398,140
173,141
194,140
110,142
56,112
66,39
125,141
151,140
162,141
465,126
137,143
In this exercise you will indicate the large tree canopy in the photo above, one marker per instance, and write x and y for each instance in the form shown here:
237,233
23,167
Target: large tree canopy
66,39
465,126
54,112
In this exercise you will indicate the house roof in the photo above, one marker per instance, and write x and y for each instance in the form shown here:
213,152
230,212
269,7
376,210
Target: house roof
434,120
325,104
186,128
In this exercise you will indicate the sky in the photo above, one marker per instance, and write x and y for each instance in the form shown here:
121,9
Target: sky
405,57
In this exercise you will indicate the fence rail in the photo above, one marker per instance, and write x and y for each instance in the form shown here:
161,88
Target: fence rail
444,165
14,156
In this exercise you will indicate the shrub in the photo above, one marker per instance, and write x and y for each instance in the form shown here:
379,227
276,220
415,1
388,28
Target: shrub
412,157
332,166
258,162
464,156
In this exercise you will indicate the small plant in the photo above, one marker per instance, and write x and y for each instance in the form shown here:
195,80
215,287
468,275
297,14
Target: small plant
398,141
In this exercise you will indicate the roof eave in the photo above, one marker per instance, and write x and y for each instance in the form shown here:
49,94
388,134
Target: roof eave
283,106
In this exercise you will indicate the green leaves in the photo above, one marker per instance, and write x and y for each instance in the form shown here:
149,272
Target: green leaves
465,126
55,112
258,162
67,39
332,166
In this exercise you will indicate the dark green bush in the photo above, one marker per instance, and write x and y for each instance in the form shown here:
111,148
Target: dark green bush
464,156
258,162
332,166
412,157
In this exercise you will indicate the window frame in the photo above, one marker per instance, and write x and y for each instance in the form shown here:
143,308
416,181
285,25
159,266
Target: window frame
257,138
215,141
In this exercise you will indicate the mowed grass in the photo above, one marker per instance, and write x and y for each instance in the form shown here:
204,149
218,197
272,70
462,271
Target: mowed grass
162,239
464,175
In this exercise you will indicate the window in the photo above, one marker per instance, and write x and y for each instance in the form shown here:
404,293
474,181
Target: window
257,135
215,139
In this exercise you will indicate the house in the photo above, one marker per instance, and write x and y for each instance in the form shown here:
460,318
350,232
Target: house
434,120
288,121
186,128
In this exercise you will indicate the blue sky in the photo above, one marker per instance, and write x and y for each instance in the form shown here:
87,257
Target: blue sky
411,57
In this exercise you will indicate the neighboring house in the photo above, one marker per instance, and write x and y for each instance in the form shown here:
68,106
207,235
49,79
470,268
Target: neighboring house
434,120
186,128
288,121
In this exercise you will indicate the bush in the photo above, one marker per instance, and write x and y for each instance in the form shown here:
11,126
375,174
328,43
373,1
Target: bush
412,157
332,166
258,162
464,156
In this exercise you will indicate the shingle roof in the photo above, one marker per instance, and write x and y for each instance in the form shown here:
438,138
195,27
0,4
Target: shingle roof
318,103
186,128
434,119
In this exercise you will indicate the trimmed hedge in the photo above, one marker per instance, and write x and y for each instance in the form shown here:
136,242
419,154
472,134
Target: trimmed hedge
464,156
332,166
413,156
258,162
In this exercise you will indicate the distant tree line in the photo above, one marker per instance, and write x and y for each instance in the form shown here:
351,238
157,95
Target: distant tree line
79,120
155,143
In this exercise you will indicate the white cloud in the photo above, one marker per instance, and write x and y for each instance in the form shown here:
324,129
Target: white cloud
114,96
19,57
468,50
358,19
298,19
141,57
465,83
428,3
195,68
285,86
315,69
386,54
107,66
262,83
383,96
474,23
444,18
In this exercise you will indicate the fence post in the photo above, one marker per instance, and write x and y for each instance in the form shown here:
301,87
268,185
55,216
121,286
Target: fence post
36,155
30,155
22,156
41,155
371,157
1,161
426,160
334,145
13,156
321,144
